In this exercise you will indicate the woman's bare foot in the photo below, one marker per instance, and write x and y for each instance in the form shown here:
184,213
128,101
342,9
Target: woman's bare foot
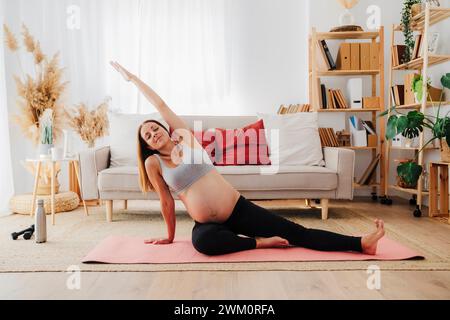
274,242
370,242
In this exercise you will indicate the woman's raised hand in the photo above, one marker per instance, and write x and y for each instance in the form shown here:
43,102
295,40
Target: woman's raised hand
124,72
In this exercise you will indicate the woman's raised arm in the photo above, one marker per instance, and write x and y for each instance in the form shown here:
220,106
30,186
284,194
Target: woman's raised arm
174,121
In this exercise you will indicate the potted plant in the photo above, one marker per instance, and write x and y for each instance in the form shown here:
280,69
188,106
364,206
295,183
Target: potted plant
411,125
434,94
46,126
40,93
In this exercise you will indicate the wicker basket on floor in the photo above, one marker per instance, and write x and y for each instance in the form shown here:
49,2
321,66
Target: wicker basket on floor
65,201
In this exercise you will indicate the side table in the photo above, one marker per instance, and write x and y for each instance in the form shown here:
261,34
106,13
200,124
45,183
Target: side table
39,163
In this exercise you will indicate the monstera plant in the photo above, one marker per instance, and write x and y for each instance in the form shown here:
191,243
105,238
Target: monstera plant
410,126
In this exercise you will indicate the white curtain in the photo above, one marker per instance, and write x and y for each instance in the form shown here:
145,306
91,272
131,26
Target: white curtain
6,174
176,46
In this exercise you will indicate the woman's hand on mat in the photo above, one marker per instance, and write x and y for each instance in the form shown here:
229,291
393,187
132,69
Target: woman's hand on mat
124,72
158,241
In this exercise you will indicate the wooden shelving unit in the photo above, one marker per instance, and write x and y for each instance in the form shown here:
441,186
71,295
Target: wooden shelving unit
420,23
315,73
417,106
436,15
347,110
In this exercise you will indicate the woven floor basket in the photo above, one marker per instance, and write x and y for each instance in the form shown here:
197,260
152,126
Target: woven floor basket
65,201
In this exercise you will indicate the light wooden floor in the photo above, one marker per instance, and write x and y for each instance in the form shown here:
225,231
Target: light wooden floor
252,285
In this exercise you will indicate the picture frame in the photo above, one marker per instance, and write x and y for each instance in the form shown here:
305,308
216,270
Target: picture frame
433,45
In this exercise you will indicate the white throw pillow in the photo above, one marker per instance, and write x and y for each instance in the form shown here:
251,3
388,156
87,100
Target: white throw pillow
299,140
123,136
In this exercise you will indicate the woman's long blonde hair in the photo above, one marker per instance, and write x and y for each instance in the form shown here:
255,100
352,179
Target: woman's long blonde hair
143,152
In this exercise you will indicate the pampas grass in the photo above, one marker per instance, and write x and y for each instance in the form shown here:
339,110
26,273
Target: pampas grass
90,125
38,93
10,39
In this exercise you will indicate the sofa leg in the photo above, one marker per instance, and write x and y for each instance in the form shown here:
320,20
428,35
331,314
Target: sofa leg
109,210
125,205
324,204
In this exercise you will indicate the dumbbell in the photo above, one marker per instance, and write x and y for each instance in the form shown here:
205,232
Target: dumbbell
27,233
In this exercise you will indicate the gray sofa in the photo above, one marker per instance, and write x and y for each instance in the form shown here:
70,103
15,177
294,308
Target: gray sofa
333,181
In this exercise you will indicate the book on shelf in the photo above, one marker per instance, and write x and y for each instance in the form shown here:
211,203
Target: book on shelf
417,52
398,55
398,95
327,55
323,93
368,174
368,125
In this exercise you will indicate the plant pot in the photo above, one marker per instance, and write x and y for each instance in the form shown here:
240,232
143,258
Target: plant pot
416,99
434,94
402,184
445,151
416,9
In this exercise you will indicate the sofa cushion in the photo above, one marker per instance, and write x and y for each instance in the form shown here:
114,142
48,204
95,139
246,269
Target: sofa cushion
245,146
241,177
123,136
293,138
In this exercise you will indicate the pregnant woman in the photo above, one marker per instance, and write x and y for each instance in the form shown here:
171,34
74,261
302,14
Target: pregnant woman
225,221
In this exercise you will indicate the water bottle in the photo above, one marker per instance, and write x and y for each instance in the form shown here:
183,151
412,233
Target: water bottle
41,223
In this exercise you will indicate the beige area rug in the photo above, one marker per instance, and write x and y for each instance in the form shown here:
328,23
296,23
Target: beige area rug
75,235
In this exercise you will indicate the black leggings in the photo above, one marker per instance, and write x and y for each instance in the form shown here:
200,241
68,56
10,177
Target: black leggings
252,221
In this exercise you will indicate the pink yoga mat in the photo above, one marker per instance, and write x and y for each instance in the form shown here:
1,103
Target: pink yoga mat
132,250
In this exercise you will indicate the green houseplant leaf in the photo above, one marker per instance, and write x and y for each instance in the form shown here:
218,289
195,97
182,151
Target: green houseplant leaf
417,87
445,80
409,172
414,124
391,130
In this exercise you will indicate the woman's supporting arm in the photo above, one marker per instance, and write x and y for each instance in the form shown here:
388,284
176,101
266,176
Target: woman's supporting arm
167,201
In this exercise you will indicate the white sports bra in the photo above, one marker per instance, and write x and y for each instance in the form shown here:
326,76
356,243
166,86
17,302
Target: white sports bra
195,164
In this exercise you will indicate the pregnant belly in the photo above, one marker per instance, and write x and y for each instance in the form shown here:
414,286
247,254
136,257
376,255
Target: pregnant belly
211,199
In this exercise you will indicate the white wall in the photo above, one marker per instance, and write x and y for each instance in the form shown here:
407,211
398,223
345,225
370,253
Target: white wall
266,42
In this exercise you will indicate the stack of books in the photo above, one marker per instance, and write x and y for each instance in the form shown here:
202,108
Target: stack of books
333,99
328,138
294,108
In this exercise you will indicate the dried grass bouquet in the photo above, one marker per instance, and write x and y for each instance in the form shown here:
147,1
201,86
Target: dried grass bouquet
90,125
38,93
